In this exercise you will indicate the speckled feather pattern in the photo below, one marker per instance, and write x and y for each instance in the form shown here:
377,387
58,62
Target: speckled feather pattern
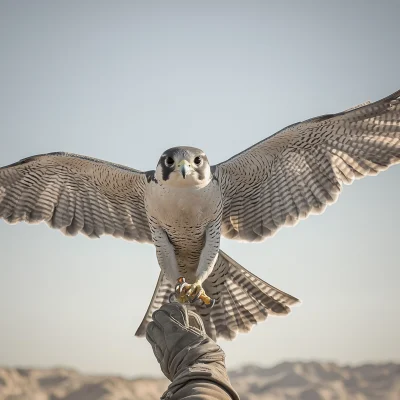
184,214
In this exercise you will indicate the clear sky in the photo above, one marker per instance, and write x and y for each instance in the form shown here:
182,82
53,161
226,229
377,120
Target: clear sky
125,80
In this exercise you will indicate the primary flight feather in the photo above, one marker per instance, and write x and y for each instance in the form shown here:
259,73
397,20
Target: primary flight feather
185,205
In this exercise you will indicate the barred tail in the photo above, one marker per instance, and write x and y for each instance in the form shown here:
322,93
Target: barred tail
242,300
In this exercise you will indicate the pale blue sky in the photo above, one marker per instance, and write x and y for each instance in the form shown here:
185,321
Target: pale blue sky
123,81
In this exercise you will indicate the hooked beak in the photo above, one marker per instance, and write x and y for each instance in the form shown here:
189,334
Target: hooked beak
184,168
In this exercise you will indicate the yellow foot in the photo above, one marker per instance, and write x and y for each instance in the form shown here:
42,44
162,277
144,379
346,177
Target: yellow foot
189,293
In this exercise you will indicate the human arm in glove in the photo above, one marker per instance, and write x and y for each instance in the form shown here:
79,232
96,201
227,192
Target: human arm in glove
192,361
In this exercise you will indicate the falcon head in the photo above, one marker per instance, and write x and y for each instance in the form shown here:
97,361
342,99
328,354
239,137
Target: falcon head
183,167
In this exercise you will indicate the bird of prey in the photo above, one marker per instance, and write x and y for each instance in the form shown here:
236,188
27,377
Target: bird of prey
185,205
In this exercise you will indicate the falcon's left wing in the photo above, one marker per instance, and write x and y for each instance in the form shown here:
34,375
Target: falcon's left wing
75,193
300,170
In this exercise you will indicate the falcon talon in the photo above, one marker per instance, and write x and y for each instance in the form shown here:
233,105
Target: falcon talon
182,286
172,298
195,298
211,304
207,301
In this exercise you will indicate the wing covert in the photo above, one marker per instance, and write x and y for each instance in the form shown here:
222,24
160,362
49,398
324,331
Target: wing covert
300,170
75,193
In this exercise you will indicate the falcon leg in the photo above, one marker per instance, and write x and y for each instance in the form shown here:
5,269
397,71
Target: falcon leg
209,254
165,254
207,260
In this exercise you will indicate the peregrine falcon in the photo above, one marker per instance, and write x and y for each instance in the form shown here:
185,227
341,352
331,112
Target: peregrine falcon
185,205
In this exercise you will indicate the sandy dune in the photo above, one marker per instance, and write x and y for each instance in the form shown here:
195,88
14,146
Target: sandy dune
286,381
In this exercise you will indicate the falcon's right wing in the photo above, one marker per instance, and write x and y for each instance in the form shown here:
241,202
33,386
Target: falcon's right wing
300,170
75,193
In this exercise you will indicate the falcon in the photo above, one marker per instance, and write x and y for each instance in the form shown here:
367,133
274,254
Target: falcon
185,205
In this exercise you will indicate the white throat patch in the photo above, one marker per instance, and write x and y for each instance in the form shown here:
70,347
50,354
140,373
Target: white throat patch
175,179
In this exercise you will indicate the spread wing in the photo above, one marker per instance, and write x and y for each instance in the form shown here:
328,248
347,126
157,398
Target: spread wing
75,194
301,169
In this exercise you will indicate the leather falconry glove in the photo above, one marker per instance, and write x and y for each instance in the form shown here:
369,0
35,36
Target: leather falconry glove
191,360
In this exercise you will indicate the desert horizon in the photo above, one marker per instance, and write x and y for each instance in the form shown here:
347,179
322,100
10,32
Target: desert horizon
305,380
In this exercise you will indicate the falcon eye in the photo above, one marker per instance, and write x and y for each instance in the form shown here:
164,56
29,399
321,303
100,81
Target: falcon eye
197,160
169,161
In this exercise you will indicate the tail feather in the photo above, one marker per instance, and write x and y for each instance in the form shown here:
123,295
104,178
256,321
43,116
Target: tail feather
229,314
242,300
271,297
160,296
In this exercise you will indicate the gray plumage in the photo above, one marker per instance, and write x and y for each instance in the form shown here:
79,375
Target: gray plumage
76,194
185,205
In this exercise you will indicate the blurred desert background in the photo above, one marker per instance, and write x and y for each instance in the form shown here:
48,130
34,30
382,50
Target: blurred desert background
123,81
285,381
